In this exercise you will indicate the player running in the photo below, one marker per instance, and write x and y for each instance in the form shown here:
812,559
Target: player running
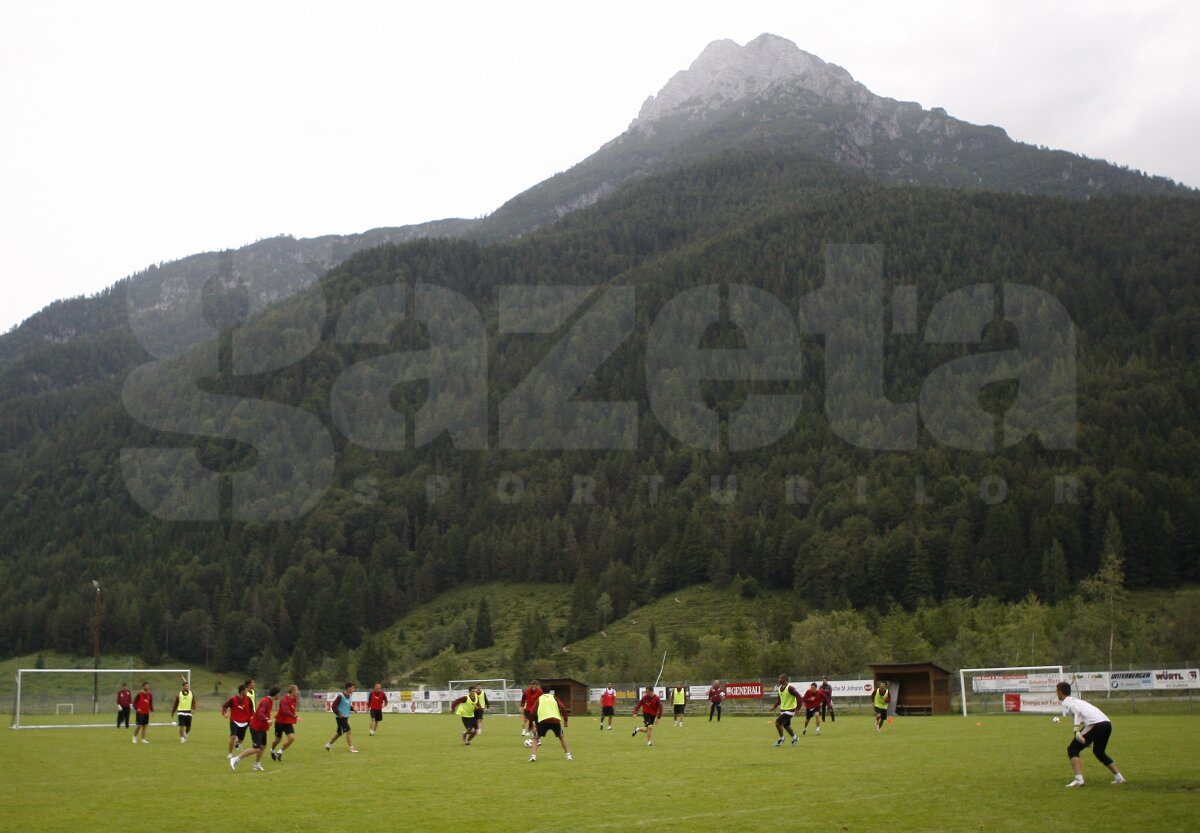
184,701
464,707
812,707
239,709
551,717
285,723
481,704
786,700
881,700
529,698
679,700
608,705
1092,728
377,701
341,711
259,724
651,707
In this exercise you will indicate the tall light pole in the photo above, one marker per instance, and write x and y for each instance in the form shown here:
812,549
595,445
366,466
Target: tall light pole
96,652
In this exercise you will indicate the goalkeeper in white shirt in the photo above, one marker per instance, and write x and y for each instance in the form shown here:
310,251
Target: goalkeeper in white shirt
1092,728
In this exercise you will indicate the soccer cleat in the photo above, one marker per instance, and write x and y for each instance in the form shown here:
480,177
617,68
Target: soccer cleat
233,762
1119,779
353,748
183,740
803,732
371,733
795,740
569,758
1076,782
649,743
135,738
778,742
257,768
818,730
633,735
328,747
145,741
533,759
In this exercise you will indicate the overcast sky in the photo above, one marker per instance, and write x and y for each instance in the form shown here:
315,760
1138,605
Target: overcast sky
137,132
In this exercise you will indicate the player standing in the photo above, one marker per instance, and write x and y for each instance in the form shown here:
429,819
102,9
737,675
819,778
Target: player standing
787,699
881,700
124,702
716,694
608,705
812,707
376,702
184,701
551,717
827,700
259,724
529,698
679,700
143,705
464,707
341,712
1092,728
285,722
651,707
239,709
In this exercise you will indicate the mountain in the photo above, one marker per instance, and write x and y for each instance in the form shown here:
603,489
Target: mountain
770,93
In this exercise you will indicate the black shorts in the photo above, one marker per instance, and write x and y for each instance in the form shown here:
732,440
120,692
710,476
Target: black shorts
530,716
479,714
881,712
343,725
649,719
468,723
377,715
809,714
784,719
184,720
282,729
606,711
258,739
142,719
679,708
549,726
237,731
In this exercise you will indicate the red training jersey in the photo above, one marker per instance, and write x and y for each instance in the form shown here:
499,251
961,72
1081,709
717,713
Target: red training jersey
286,714
812,699
262,715
716,694
377,700
608,698
125,698
143,703
240,709
529,698
650,704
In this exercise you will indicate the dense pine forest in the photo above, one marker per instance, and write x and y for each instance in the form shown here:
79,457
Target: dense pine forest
834,524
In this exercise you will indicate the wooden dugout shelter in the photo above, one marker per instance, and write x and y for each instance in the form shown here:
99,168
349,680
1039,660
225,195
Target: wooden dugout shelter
919,688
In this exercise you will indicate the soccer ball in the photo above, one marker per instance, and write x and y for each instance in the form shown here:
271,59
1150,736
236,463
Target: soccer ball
528,743
1055,719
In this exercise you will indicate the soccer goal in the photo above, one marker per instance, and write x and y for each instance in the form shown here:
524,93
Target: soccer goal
1015,689
499,693
73,698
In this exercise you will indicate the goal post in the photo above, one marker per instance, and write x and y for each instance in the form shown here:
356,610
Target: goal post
64,698
1025,680
498,690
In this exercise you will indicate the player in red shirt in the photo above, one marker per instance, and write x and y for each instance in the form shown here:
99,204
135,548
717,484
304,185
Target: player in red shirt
608,705
376,701
285,722
813,700
124,703
529,701
239,709
716,694
143,704
651,708
259,724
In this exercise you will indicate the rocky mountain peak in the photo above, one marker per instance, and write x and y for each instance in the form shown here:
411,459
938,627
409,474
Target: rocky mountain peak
725,72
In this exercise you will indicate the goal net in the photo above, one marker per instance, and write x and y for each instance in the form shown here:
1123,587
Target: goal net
1011,690
78,698
501,696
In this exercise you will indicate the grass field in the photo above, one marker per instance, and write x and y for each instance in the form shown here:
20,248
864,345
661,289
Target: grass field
921,774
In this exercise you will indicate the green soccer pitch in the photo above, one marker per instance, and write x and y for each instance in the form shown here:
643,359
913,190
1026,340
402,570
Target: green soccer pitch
998,773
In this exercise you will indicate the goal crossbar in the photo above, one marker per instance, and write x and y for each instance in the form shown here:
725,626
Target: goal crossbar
131,673
501,684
